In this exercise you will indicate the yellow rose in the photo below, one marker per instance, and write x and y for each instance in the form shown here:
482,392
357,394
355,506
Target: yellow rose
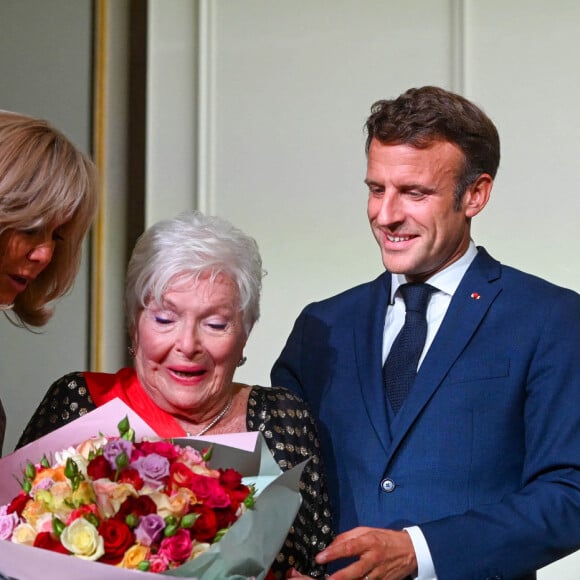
111,495
83,540
34,509
91,445
199,548
204,470
134,556
84,494
176,505
55,500
24,534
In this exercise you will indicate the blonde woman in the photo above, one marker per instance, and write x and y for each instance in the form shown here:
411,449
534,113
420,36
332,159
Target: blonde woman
48,199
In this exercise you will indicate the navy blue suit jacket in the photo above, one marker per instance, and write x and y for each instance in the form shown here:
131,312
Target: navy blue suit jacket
485,453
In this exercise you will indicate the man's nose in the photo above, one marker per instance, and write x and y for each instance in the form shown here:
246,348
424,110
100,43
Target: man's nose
390,210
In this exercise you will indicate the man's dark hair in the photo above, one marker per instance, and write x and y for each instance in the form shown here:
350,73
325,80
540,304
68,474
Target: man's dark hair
422,116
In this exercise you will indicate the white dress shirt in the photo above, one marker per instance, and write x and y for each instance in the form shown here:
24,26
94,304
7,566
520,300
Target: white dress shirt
446,283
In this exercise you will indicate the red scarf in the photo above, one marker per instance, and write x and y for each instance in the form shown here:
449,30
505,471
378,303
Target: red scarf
103,387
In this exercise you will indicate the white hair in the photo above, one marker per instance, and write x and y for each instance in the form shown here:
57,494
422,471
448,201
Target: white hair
192,245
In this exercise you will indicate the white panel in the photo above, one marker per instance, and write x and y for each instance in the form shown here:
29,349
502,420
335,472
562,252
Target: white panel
522,66
291,85
171,108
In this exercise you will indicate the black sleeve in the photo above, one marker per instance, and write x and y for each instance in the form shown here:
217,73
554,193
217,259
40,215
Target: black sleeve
290,433
67,399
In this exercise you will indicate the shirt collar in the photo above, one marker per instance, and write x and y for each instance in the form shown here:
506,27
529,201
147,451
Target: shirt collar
447,280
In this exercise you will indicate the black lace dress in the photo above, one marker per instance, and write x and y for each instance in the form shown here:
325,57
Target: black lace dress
290,433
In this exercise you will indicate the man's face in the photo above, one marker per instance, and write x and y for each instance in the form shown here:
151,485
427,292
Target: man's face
412,209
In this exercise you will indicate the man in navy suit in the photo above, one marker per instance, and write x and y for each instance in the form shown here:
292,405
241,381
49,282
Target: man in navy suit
477,474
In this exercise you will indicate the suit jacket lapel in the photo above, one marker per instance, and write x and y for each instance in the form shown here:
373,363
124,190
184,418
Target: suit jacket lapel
368,340
473,298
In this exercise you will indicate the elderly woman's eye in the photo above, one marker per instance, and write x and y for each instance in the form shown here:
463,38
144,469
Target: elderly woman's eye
217,325
163,320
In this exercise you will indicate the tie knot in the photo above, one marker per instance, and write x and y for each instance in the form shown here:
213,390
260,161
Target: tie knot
416,296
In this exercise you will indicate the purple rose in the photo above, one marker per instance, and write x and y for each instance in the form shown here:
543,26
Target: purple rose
7,523
152,468
114,448
150,529
45,484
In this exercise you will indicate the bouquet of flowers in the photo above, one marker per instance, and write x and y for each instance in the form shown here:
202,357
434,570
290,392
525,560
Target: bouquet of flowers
147,504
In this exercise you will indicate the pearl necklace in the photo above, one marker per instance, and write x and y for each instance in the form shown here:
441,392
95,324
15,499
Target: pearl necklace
218,418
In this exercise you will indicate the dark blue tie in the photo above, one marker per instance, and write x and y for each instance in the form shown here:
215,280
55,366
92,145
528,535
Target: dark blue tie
400,368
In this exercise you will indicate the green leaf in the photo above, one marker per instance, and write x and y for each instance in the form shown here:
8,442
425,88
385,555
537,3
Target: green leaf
58,526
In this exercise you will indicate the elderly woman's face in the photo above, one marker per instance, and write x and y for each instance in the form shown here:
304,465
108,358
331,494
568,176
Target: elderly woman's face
24,254
187,349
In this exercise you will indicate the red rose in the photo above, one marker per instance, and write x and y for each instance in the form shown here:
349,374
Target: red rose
47,541
206,525
239,494
230,478
177,548
226,516
99,468
137,506
18,503
118,539
179,476
81,512
131,475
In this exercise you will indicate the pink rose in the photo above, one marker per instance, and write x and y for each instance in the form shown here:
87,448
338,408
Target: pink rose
159,563
177,548
163,448
210,491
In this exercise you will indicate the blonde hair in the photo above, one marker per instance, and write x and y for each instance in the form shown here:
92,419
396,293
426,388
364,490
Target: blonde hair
44,179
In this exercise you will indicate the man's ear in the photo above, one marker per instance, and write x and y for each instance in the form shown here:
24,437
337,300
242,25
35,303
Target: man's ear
477,195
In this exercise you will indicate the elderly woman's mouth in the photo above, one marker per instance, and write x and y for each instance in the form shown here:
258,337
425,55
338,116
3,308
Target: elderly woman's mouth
188,374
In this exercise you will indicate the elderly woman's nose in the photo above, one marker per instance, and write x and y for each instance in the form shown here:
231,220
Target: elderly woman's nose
187,340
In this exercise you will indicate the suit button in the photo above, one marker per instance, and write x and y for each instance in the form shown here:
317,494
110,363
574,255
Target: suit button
388,485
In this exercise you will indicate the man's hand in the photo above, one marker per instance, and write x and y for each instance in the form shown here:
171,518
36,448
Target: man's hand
382,554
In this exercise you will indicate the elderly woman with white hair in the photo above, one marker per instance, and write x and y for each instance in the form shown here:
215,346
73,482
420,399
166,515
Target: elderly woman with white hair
192,298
